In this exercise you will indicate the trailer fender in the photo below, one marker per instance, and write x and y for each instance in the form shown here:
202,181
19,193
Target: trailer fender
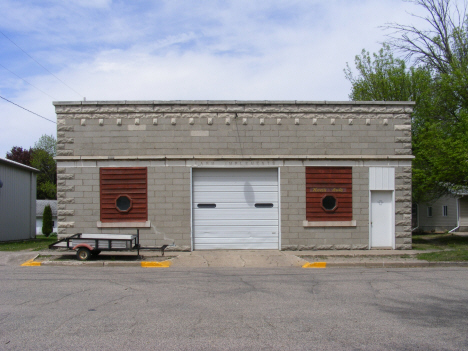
90,248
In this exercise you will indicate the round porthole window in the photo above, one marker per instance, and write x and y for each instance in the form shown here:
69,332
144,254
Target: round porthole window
329,203
123,203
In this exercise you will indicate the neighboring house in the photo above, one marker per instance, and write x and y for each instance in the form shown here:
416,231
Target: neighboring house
40,205
448,213
17,201
288,175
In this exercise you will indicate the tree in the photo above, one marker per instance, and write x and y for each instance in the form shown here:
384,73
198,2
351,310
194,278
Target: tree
437,79
47,224
43,159
47,178
47,143
20,155
441,47
40,157
386,78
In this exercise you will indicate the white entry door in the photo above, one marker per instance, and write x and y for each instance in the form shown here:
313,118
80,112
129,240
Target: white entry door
382,223
235,209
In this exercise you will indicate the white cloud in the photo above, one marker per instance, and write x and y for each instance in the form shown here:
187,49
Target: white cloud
294,50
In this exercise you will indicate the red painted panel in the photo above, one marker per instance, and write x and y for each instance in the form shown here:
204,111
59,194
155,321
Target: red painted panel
130,181
333,181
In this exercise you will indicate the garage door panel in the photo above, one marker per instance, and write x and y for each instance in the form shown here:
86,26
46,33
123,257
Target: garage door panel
227,191
231,206
236,231
235,188
235,222
223,240
213,175
238,246
235,181
215,197
250,214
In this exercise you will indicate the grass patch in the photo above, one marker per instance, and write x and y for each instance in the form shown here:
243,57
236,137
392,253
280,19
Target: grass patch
40,243
451,247
453,255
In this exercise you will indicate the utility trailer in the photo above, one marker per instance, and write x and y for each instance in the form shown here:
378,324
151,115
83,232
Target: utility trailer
87,245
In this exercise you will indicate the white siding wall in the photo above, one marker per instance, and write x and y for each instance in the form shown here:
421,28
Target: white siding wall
39,225
438,222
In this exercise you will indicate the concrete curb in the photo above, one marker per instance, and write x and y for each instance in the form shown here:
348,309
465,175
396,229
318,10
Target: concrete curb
234,259
146,264
395,264
31,263
167,264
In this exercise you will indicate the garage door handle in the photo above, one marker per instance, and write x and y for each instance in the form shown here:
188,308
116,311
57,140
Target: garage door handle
206,205
264,205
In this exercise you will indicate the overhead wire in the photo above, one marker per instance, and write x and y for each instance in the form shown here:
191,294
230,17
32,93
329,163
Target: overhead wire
32,58
24,80
34,113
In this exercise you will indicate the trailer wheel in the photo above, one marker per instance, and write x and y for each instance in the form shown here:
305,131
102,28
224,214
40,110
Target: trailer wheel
83,254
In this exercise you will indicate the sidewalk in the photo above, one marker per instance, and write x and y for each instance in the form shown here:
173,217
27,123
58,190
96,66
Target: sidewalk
246,258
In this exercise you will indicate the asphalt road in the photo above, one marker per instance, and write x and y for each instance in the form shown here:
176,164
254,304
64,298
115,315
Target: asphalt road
127,308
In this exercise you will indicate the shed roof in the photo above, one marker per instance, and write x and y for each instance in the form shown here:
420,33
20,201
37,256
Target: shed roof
17,165
41,204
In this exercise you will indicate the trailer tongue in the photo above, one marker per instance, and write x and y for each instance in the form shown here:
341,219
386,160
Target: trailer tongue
87,245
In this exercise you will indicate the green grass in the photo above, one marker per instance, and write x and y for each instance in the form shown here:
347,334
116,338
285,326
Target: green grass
451,247
453,255
40,243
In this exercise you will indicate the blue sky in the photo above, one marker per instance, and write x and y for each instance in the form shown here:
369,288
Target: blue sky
178,50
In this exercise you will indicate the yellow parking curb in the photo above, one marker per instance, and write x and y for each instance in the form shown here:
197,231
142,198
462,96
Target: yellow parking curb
315,265
155,264
31,263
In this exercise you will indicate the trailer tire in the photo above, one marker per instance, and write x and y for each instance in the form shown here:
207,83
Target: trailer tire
83,254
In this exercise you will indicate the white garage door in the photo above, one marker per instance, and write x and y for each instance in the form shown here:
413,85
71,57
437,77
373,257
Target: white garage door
235,209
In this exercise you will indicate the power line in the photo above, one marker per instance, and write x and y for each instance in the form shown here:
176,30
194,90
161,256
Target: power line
34,113
41,65
28,82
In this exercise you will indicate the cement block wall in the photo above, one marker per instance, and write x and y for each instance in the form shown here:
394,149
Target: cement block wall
171,137
98,129
297,237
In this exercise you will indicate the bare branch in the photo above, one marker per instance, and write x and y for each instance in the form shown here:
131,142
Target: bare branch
435,46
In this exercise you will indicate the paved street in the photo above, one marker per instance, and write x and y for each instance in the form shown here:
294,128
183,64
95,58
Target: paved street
127,308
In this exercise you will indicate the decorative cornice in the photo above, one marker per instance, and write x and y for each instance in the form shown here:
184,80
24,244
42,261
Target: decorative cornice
236,157
232,102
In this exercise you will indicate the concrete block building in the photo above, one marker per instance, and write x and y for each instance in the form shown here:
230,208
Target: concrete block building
287,175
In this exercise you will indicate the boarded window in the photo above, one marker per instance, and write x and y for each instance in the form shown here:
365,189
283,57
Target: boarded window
123,194
329,195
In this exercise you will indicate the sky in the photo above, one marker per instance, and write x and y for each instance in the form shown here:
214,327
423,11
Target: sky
53,50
